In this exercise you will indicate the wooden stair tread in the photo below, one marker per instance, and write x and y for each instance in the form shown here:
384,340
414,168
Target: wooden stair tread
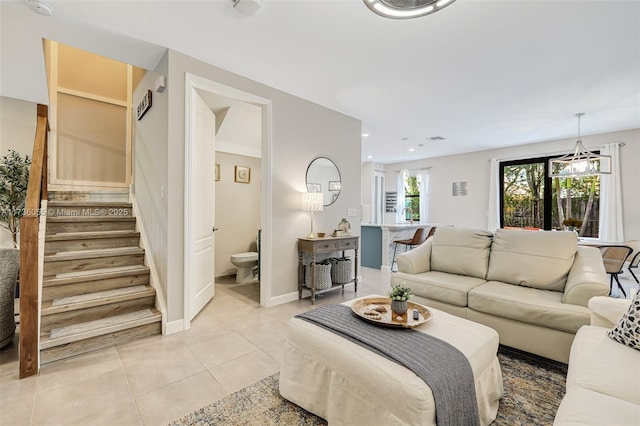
91,254
79,203
65,236
77,332
72,219
95,274
87,297
102,298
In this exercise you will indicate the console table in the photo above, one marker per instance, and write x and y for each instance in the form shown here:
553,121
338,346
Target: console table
314,246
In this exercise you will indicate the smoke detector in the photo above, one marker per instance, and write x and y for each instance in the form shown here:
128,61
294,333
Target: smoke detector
247,7
40,7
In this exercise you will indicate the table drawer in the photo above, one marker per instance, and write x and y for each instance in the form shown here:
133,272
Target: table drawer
347,244
325,246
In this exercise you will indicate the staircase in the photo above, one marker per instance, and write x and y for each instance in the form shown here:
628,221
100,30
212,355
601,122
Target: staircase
96,290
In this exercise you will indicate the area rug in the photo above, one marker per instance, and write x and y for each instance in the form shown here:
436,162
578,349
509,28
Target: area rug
533,388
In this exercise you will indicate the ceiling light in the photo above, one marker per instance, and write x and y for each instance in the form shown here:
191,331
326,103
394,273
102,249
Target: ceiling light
369,157
40,7
581,163
247,7
405,9
365,135
411,149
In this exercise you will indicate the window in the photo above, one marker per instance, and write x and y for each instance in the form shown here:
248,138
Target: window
531,200
412,186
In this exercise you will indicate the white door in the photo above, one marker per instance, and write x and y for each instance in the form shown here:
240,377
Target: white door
201,206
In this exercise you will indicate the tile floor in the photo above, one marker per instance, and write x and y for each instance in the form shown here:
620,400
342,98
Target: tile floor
233,343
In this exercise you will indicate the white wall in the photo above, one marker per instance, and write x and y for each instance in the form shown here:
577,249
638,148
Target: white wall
150,163
300,132
17,131
471,210
237,210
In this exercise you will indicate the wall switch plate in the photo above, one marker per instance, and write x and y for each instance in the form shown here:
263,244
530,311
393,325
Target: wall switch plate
352,212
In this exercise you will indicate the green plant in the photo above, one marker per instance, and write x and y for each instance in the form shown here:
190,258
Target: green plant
400,293
14,179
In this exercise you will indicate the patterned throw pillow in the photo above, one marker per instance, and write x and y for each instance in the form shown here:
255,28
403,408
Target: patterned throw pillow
627,331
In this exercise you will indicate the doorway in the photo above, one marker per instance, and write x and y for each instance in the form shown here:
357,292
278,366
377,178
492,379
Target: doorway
243,167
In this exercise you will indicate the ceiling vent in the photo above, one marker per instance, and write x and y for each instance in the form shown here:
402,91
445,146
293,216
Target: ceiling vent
436,138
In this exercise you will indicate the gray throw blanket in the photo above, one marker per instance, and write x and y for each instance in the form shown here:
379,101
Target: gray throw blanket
443,367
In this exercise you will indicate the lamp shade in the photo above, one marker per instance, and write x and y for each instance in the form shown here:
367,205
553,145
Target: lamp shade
312,201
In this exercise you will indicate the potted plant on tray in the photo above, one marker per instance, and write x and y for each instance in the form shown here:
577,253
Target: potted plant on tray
399,296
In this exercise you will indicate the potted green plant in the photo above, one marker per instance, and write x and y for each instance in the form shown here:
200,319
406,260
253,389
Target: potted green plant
400,296
14,179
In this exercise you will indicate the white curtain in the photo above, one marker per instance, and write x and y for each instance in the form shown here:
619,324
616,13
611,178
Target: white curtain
424,195
400,218
493,213
611,228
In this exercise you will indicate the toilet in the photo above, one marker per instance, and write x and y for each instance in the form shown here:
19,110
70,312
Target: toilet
246,263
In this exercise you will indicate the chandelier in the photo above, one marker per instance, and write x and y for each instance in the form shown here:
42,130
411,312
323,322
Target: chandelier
581,162
405,9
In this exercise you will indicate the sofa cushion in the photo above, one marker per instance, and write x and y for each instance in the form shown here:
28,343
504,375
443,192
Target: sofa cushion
538,259
440,286
529,305
627,330
585,407
599,364
461,251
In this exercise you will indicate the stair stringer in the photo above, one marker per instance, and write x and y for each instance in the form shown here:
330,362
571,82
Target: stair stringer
167,328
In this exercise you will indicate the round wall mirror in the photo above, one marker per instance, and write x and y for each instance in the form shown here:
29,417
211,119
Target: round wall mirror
323,176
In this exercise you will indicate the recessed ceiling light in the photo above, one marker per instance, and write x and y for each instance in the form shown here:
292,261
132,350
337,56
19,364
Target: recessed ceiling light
369,157
436,138
411,149
365,135
40,7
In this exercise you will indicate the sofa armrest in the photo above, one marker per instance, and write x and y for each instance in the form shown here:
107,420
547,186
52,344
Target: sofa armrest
417,260
587,277
606,311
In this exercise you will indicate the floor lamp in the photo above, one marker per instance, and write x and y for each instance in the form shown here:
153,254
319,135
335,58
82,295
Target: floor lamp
312,202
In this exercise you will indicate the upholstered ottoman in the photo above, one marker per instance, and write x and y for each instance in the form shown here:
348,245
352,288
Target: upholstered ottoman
347,384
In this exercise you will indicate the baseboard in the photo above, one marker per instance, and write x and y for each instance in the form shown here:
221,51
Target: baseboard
171,327
284,298
385,269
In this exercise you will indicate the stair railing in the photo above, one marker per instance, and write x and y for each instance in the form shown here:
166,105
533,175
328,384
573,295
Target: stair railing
29,227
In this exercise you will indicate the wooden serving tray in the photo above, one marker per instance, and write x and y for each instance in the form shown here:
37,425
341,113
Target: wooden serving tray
389,319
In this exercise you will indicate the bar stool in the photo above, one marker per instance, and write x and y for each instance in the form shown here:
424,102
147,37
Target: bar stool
419,237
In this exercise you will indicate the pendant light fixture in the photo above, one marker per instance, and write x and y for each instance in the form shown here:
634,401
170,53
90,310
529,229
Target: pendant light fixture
405,9
581,162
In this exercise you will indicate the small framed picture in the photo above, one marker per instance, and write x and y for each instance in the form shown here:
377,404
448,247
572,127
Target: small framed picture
243,174
334,185
217,172
314,187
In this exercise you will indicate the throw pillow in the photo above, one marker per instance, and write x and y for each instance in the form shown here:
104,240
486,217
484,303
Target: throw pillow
627,331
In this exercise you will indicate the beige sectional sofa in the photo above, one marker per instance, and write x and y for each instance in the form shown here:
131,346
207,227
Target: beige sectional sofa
603,381
532,287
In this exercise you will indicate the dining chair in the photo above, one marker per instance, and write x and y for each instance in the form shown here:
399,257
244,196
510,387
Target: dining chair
613,257
419,237
634,258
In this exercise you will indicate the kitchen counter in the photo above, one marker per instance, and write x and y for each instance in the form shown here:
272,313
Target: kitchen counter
383,241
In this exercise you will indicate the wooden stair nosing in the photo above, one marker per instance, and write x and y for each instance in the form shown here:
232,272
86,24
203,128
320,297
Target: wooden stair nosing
91,235
97,275
93,254
46,343
47,309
